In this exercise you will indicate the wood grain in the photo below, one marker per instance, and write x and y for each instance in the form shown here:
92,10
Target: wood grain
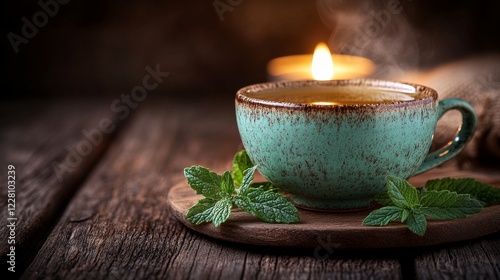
472,260
128,232
34,135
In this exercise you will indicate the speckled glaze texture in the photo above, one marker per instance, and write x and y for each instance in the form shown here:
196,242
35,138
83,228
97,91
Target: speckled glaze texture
336,157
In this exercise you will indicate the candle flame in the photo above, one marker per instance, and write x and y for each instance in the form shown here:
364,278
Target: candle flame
322,63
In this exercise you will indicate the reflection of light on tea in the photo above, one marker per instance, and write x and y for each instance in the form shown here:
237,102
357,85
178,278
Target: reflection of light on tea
299,67
322,63
323,103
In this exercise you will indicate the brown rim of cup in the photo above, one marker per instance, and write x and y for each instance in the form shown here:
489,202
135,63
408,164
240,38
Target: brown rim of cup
423,94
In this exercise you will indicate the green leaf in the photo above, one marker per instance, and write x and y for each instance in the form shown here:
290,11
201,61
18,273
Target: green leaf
417,223
201,211
266,186
245,204
204,181
210,210
383,216
221,211
405,215
439,199
241,162
446,205
227,185
384,199
401,193
268,205
487,194
248,175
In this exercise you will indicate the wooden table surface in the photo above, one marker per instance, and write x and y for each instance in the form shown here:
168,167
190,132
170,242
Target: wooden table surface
91,182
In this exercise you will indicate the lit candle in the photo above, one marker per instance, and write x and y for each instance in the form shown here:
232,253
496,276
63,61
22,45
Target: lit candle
322,65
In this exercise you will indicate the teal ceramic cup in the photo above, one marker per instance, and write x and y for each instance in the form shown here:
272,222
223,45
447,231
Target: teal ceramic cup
334,156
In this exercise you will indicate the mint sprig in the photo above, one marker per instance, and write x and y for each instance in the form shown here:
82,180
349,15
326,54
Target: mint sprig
487,194
263,200
437,200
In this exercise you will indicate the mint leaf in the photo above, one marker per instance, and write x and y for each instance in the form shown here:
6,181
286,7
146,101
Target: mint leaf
445,205
267,186
241,162
247,179
227,184
268,205
221,211
417,223
203,181
210,210
245,203
201,211
487,194
401,193
405,215
383,216
384,199
414,205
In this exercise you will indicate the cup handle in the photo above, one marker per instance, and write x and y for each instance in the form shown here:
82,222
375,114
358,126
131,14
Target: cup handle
463,136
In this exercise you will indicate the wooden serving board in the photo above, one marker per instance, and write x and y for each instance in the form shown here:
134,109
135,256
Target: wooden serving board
337,230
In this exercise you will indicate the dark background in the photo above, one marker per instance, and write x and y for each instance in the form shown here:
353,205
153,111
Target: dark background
101,48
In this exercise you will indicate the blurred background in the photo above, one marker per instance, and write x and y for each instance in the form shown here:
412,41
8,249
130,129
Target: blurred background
80,48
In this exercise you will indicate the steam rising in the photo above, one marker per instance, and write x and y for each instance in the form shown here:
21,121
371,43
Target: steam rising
378,30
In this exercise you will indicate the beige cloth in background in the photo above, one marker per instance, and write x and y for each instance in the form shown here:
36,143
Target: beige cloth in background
476,80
